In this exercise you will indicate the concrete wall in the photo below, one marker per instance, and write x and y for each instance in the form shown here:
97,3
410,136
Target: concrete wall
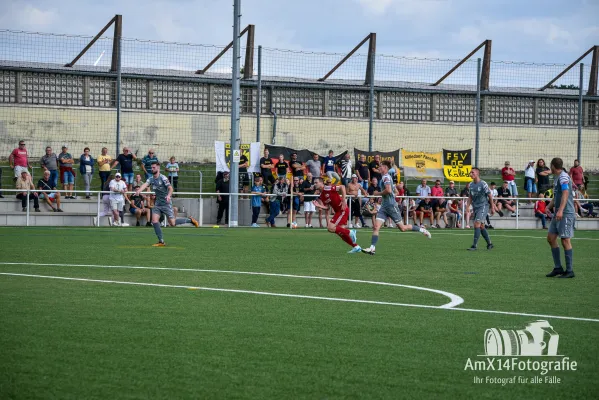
190,136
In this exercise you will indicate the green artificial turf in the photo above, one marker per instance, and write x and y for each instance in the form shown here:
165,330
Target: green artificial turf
73,339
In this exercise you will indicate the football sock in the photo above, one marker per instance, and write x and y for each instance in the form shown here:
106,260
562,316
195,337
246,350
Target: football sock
158,230
181,221
486,235
375,238
416,228
476,237
569,257
344,234
557,263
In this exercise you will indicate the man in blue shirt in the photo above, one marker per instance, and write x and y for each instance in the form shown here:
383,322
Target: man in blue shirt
258,191
147,161
125,162
328,167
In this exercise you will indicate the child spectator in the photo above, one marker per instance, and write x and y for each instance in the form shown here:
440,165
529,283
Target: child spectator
259,192
541,210
173,173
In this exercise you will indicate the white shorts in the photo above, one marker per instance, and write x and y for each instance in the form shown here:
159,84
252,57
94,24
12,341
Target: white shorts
19,169
309,206
117,204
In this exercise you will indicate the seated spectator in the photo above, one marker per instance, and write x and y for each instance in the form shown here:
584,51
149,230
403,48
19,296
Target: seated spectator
439,204
424,209
48,192
423,190
258,192
466,191
138,207
503,201
455,211
24,183
541,210
1,196
451,190
586,207
374,186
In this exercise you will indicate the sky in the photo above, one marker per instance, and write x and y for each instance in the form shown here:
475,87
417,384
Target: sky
540,31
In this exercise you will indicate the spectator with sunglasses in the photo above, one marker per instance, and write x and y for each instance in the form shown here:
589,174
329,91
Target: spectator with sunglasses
19,160
146,162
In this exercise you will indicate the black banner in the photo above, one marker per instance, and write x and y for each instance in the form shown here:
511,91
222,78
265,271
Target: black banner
392,156
302,155
457,164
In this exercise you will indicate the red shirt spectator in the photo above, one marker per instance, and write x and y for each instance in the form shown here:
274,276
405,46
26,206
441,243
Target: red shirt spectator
507,172
20,157
576,174
540,207
437,190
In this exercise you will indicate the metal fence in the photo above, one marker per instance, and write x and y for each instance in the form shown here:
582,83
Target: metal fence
173,98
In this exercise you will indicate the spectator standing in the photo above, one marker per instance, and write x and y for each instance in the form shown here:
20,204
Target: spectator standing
24,183
67,174
363,171
541,210
86,168
279,190
374,168
328,167
345,167
49,162
314,165
354,194
173,173
543,173
117,199
259,192
1,196
297,167
509,175
307,190
282,166
125,162
146,163
104,161
373,187
266,167
296,190
244,179
19,160
577,174
223,200
423,190
455,211
48,192
530,183
439,204
466,191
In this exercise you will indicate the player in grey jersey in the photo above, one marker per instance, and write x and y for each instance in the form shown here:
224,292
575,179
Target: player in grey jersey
481,199
389,210
161,186
562,224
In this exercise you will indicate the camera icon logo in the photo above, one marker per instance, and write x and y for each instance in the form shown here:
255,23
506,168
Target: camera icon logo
536,339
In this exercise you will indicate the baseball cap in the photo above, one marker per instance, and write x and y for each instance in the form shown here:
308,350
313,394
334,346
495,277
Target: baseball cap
64,146
281,177
226,172
354,176
531,161
451,182
117,174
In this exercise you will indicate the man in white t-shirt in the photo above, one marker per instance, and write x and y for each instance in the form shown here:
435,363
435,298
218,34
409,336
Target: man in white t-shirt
423,190
117,200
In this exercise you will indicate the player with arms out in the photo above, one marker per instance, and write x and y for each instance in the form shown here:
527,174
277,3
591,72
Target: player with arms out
480,197
562,224
329,196
163,189
389,209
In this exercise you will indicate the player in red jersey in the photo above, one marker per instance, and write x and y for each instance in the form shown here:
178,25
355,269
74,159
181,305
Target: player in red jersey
329,196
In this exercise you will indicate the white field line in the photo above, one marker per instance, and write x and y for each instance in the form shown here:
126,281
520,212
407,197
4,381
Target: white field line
299,296
435,232
455,299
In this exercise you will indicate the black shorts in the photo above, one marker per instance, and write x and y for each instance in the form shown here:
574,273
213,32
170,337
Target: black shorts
244,178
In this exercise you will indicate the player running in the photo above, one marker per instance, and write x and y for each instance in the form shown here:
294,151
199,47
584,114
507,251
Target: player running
389,210
329,196
162,188
480,197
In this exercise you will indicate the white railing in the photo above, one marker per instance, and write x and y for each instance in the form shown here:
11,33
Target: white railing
201,195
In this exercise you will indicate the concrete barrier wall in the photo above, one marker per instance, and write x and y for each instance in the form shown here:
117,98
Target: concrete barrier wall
190,136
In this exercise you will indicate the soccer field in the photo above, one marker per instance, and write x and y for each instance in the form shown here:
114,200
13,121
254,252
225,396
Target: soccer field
254,313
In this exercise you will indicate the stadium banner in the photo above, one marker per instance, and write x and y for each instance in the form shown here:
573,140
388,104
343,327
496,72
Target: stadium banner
417,164
457,165
223,155
302,155
392,156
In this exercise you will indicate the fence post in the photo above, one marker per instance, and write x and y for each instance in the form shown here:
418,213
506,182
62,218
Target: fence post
371,102
118,94
477,139
259,94
28,201
580,105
